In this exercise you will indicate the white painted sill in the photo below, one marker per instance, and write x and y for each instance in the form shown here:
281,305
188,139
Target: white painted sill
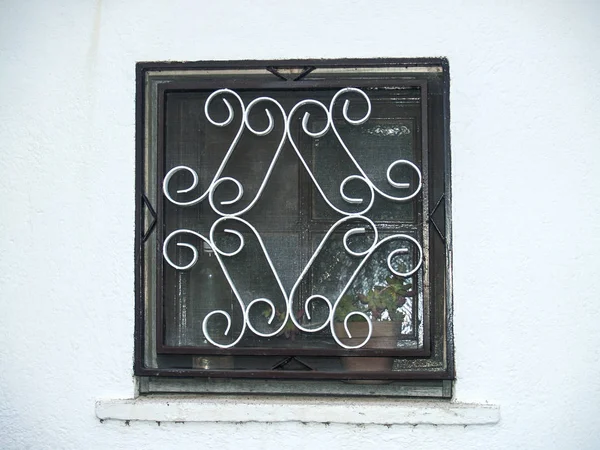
308,410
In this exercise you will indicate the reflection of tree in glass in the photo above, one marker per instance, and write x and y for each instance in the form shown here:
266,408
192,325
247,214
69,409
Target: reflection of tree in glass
375,291
380,294
383,301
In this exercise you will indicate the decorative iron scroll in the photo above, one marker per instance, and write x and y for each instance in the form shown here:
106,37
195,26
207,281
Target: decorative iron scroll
367,226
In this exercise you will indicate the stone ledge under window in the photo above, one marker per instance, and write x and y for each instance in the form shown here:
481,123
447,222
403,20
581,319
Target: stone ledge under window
324,410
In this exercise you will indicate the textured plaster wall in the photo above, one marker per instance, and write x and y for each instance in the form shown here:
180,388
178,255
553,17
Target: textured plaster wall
525,103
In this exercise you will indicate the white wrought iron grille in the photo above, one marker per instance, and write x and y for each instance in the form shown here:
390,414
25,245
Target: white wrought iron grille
408,243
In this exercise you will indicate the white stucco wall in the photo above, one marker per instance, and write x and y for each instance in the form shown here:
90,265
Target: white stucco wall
525,104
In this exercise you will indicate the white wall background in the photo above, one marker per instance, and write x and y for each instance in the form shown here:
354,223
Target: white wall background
525,103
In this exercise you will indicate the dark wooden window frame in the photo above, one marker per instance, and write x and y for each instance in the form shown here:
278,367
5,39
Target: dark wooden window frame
437,355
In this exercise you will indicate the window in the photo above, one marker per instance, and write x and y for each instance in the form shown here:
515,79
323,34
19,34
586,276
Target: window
293,225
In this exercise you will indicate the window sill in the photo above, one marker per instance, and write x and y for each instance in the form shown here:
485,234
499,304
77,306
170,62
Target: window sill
271,409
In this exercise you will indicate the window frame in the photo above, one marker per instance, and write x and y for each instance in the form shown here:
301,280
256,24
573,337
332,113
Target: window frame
405,383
